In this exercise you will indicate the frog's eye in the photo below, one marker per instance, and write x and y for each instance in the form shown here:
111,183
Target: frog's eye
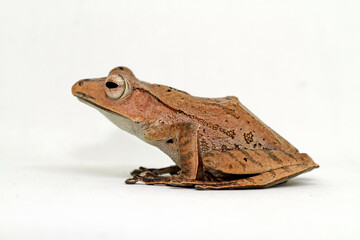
116,86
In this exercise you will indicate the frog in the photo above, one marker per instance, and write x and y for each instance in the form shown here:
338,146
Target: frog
215,143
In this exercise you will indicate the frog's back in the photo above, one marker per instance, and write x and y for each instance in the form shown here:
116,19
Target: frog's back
227,116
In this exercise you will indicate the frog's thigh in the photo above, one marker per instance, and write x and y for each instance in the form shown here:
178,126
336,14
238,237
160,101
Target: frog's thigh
273,167
250,161
263,180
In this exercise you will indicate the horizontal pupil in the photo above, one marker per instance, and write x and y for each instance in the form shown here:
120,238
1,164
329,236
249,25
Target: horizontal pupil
111,85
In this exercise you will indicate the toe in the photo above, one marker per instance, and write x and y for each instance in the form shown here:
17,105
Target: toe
131,181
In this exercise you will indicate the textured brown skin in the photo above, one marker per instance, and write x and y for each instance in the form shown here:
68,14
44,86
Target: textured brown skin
220,144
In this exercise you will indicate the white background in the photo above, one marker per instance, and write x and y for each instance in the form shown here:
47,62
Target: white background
295,64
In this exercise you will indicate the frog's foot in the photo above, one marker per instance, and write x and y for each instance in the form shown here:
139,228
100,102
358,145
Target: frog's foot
263,180
151,178
153,175
172,170
206,178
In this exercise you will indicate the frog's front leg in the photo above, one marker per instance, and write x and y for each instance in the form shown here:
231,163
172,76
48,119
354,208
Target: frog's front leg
151,172
184,136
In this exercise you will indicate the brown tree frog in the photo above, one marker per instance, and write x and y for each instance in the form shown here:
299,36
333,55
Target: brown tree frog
216,143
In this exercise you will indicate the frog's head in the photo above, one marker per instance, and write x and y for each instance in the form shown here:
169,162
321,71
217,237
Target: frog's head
106,92
120,97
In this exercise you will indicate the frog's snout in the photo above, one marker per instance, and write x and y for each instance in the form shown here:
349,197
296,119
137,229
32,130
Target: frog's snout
83,89
88,89
79,87
76,87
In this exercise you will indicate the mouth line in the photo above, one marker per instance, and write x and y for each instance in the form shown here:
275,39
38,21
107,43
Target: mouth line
83,95
82,98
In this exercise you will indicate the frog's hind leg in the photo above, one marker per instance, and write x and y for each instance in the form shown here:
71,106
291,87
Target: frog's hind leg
263,180
254,168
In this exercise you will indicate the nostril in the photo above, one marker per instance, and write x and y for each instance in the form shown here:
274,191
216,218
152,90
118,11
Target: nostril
111,85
